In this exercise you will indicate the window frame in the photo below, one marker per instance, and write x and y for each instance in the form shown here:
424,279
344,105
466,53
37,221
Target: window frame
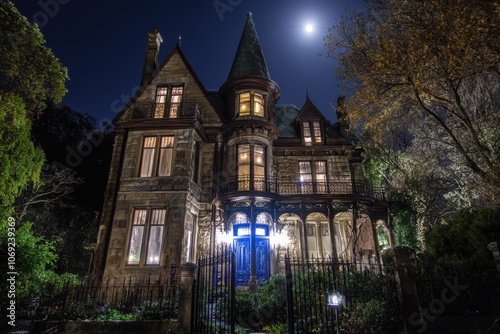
249,182
156,157
252,103
314,185
315,132
144,247
168,112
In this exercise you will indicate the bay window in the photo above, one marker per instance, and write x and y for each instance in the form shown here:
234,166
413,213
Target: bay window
251,104
251,167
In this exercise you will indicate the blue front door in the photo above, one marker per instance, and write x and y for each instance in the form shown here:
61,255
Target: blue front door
242,249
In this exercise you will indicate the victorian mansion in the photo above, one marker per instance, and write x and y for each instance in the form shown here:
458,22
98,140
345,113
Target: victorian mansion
193,168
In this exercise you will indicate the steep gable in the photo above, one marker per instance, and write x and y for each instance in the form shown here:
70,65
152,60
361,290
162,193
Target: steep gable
175,70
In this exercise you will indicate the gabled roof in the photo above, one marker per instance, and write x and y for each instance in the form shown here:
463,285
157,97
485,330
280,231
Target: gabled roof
249,59
288,118
310,111
175,50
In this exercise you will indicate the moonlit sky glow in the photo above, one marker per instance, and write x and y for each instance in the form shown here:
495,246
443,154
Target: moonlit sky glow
103,44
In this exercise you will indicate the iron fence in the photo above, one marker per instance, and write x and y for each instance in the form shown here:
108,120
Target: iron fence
67,300
458,289
310,281
214,293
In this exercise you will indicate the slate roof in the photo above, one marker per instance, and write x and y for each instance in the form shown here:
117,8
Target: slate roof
285,119
249,59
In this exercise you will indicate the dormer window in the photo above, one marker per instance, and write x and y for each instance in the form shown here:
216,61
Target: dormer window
250,104
168,101
312,132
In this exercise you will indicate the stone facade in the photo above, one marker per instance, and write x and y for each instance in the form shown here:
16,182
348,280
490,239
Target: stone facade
193,170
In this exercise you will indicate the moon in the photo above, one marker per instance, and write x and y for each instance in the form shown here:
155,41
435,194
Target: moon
309,28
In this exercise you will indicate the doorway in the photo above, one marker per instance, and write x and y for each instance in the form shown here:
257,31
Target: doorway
242,246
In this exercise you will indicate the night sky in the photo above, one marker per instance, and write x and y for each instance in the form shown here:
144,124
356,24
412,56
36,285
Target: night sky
103,44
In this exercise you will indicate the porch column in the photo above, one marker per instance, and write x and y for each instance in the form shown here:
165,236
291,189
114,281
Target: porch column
373,221
303,239
333,232
252,283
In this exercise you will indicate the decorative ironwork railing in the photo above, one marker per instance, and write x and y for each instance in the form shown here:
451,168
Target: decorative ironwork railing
184,110
272,185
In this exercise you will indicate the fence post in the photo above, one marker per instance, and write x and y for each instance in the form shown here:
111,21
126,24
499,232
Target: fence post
493,247
407,287
185,298
289,296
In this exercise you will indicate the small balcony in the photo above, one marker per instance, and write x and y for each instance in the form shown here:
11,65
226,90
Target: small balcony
184,110
237,184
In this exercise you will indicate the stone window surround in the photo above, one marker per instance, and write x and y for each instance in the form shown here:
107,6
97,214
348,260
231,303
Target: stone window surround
156,155
168,100
146,235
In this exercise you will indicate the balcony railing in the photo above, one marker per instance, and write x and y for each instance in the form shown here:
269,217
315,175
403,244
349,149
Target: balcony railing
184,110
300,188
245,183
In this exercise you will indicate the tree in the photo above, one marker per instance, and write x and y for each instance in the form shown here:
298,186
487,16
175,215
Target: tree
66,206
28,68
465,238
21,160
424,79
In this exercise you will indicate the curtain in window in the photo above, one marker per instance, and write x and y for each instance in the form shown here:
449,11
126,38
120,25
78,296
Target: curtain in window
148,153
166,153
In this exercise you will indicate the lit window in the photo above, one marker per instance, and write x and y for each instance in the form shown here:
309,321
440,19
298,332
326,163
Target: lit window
312,177
164,159
153,222
166,152
175,101
148,154
307,133
312,133
251,167
317,132
168,98
251,104
161,99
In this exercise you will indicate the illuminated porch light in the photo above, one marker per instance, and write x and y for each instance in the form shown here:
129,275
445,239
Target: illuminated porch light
225,238
279,240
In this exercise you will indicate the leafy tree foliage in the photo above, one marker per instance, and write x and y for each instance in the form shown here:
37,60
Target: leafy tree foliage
27,67
21,160
424,79
465,238
66,206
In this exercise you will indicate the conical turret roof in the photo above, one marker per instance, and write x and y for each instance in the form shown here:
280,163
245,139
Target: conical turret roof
249,59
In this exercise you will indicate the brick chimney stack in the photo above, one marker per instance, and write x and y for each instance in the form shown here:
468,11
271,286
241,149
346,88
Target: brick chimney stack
152,52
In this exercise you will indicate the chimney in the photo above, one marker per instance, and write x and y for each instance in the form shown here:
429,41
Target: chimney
152,52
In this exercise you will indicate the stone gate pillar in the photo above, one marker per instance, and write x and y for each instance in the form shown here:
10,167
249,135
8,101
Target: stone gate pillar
400,259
